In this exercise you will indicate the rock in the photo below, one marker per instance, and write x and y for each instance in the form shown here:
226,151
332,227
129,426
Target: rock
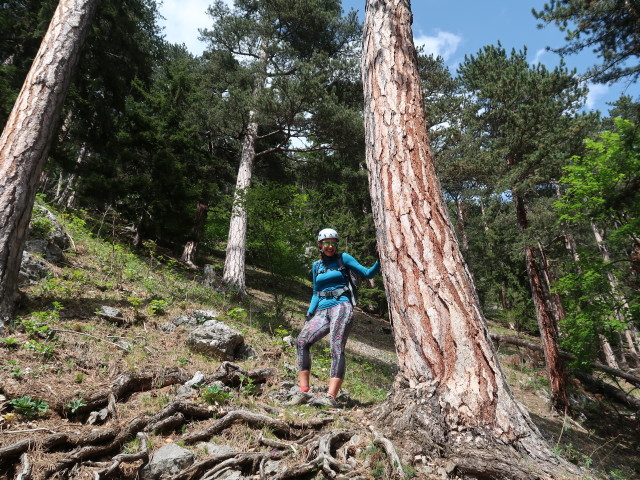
194,318
46,236
32,270
209,276
212,450
197,378
216,339
168,328
186,392
166,461
111,314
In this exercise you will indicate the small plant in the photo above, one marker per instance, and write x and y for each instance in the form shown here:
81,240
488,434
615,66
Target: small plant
28,406
237,314
43,348
40,227
79,377
136,303
214,394
247,386
34,327
158,307
15,370
9,342
75,404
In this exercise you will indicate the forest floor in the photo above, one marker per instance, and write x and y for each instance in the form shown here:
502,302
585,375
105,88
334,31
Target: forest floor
60,361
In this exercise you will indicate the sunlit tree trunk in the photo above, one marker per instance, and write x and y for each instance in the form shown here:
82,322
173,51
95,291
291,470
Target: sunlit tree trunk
27,135
233,274
450,395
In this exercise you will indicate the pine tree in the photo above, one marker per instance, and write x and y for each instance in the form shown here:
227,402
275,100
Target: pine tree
450,395
27,136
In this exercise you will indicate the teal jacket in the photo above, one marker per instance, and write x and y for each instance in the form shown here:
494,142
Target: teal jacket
328,278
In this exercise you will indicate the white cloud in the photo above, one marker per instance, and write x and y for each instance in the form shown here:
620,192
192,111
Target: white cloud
444,44
183,18
596,91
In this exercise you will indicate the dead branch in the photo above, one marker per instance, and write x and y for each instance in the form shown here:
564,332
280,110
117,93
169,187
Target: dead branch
143,455
598,386
269,442
632,379
91,336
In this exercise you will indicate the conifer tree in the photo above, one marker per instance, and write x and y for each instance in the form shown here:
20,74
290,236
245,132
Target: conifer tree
27,136
289,54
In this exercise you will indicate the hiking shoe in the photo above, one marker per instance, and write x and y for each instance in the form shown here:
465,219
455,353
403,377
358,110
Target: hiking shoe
298,398
324,400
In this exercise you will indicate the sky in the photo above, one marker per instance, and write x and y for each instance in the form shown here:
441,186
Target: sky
451,29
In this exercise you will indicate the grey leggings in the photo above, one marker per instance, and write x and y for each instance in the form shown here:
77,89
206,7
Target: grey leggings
336,321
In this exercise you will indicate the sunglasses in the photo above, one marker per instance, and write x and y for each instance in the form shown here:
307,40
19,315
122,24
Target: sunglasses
330,244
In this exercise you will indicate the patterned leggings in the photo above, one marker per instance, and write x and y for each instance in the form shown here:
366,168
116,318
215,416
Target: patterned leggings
336,321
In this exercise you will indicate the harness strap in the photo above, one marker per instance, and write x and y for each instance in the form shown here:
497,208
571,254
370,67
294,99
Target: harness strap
337,293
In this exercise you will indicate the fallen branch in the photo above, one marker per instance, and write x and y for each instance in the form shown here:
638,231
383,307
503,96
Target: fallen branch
632,379
598,386
91,336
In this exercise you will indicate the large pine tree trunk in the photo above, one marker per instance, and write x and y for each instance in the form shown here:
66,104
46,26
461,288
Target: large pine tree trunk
450,399
546,314
27,135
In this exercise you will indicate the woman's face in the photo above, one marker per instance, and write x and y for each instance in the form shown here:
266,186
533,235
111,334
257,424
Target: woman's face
329,246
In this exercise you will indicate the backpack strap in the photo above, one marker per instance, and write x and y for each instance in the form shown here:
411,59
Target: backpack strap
347,277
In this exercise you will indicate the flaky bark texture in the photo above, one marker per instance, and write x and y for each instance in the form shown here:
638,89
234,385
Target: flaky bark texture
26,138
450,399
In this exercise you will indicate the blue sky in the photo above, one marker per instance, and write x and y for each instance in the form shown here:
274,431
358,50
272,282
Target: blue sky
451,29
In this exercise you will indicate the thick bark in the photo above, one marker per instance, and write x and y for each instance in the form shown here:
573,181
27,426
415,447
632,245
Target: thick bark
27,136
547,313
450,395
189,252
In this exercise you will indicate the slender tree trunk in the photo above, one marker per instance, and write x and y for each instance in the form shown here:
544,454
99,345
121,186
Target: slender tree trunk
621,313
27,135
189,252
546,316
450,395
234,263
68,196
233,274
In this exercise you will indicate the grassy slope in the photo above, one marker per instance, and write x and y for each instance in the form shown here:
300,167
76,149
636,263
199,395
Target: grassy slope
85,353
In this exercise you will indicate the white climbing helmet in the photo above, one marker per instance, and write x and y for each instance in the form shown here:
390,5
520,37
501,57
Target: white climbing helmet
327,233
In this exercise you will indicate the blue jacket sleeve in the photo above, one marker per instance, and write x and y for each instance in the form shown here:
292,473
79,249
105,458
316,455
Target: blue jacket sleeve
353,264
314,298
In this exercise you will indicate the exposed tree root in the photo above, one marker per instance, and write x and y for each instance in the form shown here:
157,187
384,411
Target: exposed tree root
123,386
25,472
278,427
143,455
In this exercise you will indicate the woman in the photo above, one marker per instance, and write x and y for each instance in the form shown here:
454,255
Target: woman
330,311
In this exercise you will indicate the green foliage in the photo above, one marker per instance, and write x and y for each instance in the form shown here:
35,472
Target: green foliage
159,306
46,349
74,404
29,407
9,342
215,394
609,29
